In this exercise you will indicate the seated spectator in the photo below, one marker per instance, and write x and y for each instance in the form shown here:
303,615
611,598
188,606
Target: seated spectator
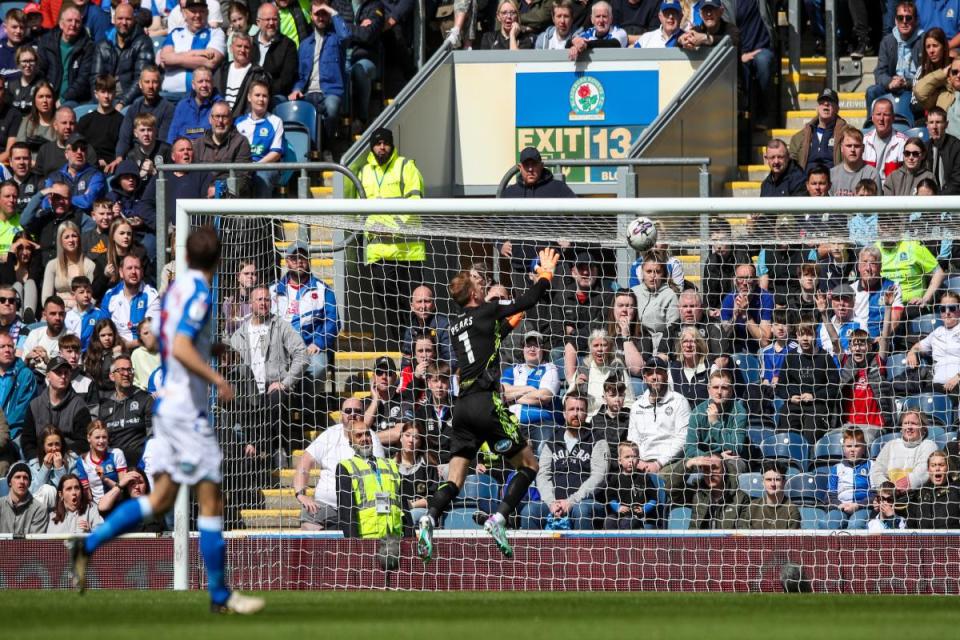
191,117
786,177
69,263
222,143
150,102
816,143
21,89
104,345
102,467
903,461
655,297
944,346
773,355
120,244
18,385
148,150
833,334
675,274
15,35
26,181
187,49
900,55
42,344
935,504
357,495
66,58
80,382
624,326
713,27
596,369
658,419
845,177
572,468
555,37
713,495
177,16
320,78
669,32
578,309
413,376
720,267
866,396
883,147
510,35
130,301
388,409
53,461
124,53
274,51
146,357
943,158
74,512
690,367
332,446
36,127
310,306
748,309
773,510
631,497
418,471
692,314
871,292
885,503
425,319
602,33
133,485
87,183
52,156
236,305
849,484
264,133
20,513
233,79
809,382
58,404
9,217
435,416
906,178
23,269
101,126
127,193
127,412
10,119
930,82
531,387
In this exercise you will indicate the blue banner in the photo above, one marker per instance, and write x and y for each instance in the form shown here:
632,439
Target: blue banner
602,98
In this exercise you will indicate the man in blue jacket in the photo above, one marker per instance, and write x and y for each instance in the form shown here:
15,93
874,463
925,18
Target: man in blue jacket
320,77
18,385
86,182
191,118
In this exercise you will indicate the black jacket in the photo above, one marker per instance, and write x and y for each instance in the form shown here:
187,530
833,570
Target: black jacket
949,153
814,373
79,66
613,430
71,415
364,42
129,422
718,275
567,311
220,82
546,187
791,182
280,64
124,64
931,507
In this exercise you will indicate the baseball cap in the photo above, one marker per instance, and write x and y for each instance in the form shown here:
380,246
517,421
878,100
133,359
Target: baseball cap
195,4
77,140
532,335
671,5
653,363
32,8
385,364
829,95
583,257
711,3
843,290
530,153
297,247
56,363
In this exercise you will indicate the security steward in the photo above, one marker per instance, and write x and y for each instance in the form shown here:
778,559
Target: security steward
368,493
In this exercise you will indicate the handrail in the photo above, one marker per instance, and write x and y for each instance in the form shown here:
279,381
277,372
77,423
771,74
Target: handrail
703,163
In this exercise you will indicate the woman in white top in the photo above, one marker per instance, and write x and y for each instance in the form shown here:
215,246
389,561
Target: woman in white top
600,366
74,512
903,461
944,343
69,263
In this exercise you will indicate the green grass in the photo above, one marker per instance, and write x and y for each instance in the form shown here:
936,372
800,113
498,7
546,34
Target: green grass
459,616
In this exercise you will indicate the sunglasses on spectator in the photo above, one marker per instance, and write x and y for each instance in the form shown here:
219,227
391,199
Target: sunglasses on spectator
887,499
954,71
5,300
950,308
904,17
352,411
912,154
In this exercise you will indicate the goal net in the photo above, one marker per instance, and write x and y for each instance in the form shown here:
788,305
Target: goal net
707,414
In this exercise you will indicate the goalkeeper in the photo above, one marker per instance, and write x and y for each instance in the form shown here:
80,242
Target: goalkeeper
479,414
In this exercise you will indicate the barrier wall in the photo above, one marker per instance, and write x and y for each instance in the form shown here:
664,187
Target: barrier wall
915,563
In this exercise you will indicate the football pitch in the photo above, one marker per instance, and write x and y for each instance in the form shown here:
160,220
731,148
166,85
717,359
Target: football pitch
457,616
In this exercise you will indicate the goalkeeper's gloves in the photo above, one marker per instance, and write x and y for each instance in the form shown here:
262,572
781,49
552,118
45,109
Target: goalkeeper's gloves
548,263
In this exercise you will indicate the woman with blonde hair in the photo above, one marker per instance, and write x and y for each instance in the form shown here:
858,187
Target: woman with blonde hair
69,263
600,366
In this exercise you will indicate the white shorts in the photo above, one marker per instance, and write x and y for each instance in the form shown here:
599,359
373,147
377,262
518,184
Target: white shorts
186,450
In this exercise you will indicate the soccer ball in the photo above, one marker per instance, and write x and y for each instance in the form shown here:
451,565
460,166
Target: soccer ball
642,234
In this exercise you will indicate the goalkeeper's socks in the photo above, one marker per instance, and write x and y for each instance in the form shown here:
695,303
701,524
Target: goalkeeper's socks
516,490
124,519
214,552
440,501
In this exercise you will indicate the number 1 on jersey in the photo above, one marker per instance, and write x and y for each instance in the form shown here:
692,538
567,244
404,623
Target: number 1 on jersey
465,339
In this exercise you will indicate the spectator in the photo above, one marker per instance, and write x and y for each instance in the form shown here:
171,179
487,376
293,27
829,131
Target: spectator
669,33
833,335
906,263
413,376
773,510
120,244
134,484
23,268
20,513
690,366
809,382
74,513
598,368
146,357
332,446
123,54
365,23
395,262
294,20
656,300
233,79
418,471
603,33
23,88
720,268
555,37
37,128
42,344
903,461
80,382
815,144
883,147
53,461
624,326
658,419
52,155
885,503
849,484
274,51
578,309
944,157
68,264
102,467
100,353
130,301
692,315
940,14
713,27
870,290
66,58
127,413
101,126
10,119
845,177
222,143
510,36
900,52
935,504
127,195
904,180
631,496
15,33
18,385
786,177
757,24
237,306
611,424
177,17
572,468
435,415
264,134
388,410
310,306
935,83
58,405
368,508
148,150
86,182
188,49
424,320
944,346
748,309
9,217
867,397
26,181
149,102
773,355
191,118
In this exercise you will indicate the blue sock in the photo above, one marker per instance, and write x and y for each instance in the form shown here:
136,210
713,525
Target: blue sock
124,518
214,552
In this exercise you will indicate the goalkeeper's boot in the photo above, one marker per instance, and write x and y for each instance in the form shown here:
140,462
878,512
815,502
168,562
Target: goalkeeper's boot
78,563
239,603
425,539
496,527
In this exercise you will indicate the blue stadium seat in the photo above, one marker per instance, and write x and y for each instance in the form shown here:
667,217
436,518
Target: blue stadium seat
299,144
83,109
924,325
289,155
901,108
461,518
877,444
7,6
157,43
803,489
756,435
829,447
298,114
896,365
938,435
918,132
788,446
751,484
482,491
4,487
679,518
952,283
813,518
936,406
822,475
749,365
949,436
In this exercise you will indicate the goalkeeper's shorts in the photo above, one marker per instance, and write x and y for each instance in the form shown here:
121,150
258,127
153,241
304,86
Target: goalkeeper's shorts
482,417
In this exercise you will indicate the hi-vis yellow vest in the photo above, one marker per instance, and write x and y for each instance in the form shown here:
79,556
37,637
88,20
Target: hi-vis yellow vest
399,178
366,485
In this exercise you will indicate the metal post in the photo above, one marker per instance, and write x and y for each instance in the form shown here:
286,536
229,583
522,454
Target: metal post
704,219
420,33
626,188
830,22
181,508
162,225
793,19
303,185
232,183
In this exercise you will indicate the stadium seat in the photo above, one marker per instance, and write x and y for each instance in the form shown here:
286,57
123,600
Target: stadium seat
924,325
938,435
289,155
751,484
918,132
749,365
936,406
877,444
829,447
4,487
481,492
756,435
298,143
901,108
461,518
83,109
788,446
896,365
298,114
679,518
803,489
949,436
813,518
952,283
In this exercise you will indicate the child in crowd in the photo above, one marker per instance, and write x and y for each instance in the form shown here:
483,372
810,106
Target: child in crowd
102,467
867,399
82,384
147,151
612,421
146,357
886,505
94,242
102,127
862,227
631,496
848,486
81,320
772,355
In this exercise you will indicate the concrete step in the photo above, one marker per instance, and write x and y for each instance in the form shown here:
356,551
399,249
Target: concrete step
274,499
797,119
357,360
742,189
319,235
757,152
321,192
848,100
271,518
810,64
286,477
761,138
753,172
804,82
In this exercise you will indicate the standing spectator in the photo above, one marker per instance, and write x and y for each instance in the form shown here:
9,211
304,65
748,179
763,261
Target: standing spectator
294,22
786,177
669,32
236,305
18,385
720,268
900,53
576,310
310,306
936,504
658,419
656,299
66,58
908,263
320,69
845,177
631,496
904,180
867,399
69,264
554,37
42,344
53,154
222,143
26,181
749,310
87,183
816,143
395,261
190,48
810,383
365,20
944,157
14,28
21,89
130,301
191,118
20,513
102,126
509,36
264,133
123,54
274,51
572,468
150,102
843,322
425,320
756,21
60,405
127,412
773,510
233,79
883,147
903,461
366,508
849,484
